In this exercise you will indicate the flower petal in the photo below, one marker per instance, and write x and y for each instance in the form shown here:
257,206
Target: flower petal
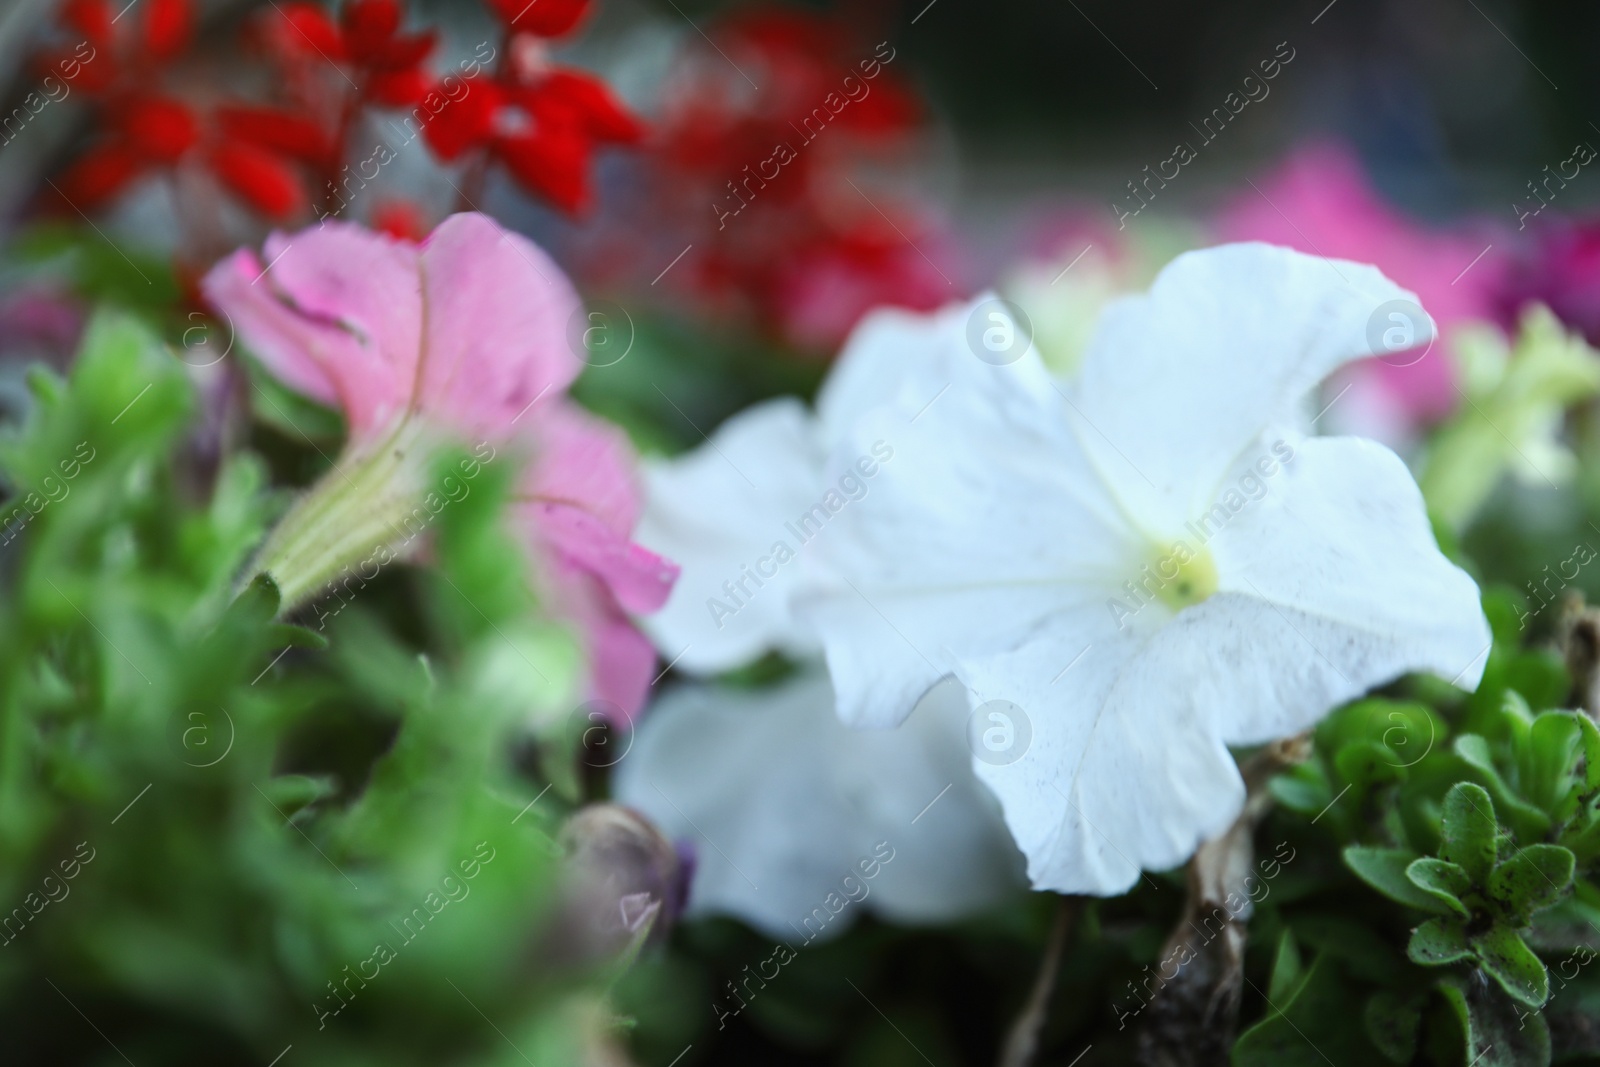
497,316
1330,586
702,512
1121,773
622,661
890,353
1346,585
816,799
100,174
985,516
261,179
1228,341
334,312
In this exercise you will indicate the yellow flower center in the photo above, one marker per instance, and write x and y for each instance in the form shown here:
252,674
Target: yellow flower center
1187,576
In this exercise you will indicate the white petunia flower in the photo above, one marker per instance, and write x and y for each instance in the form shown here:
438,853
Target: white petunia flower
782,800
800,823
1136,569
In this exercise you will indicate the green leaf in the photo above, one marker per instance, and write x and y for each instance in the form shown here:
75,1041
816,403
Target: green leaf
290,636
1529,820
1384,869
1438,942
1515,400
100,270
1444,881
1392,1020
1536,877
1301,789
1359,950
1367,763
1469,834
1591,752
1549,757
1507,958
1310,1029
1495,1030
291,792
290,413
1286,970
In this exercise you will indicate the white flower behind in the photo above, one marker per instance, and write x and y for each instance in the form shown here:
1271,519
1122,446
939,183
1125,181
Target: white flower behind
1151,562
733,511
782,801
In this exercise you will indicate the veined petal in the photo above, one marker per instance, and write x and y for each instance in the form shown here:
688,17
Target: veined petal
332,311
1229,340
1122,773
816,799
984,518
496,327
722,512
468,328
1346,589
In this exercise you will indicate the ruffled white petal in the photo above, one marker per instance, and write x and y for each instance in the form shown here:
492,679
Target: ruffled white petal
782,802
1228,340
1122,774
720,512
1346,588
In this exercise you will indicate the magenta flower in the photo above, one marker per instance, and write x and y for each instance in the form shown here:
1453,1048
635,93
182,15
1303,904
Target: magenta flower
1561,270
461,338
1321,202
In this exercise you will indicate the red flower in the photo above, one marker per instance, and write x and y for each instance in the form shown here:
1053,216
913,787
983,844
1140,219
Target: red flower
150,133
387,63
400,218
761,182
544,130
123,53
543,18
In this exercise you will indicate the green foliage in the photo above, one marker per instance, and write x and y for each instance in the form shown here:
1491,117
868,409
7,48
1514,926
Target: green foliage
1469,825
221,830
1516,402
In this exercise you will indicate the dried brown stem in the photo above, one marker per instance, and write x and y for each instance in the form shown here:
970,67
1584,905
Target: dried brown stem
1022,1042
1191,1019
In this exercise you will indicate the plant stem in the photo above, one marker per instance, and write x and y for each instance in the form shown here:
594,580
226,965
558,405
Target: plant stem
1023,1039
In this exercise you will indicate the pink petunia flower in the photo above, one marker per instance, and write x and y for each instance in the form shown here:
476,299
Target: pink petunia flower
1321,202
462,336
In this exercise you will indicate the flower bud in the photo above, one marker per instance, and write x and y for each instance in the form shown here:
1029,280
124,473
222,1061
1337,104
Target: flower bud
625,884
